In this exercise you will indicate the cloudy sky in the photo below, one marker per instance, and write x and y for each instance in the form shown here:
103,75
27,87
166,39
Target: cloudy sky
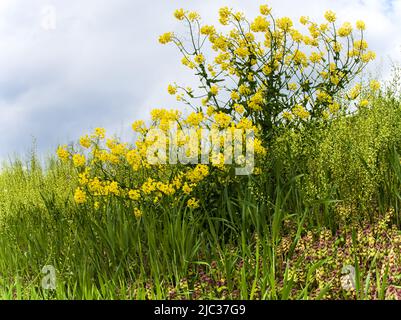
67,66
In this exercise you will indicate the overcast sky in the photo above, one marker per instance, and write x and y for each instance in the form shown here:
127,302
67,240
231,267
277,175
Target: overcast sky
67,66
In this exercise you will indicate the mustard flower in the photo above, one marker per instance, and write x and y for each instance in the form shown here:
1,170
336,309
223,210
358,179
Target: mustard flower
214,90
242,52
208,30
100,133
79,196
224,15
199,59
193,203
375,85
195,118
171,89
287,115
345,29
79,160
85,141
134,195
235,95
113,188
138,125
304,20
137,213
315,57
192,16
364,103
210,111
179,14
330,16
62,153
369,56
186,188
300,112
355,92
360,25
265,9
166,38
284,24
260,24
222,119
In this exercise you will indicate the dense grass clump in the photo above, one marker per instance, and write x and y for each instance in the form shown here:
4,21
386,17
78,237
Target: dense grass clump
353,159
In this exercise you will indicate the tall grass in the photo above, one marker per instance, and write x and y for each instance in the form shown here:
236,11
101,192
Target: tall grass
231,248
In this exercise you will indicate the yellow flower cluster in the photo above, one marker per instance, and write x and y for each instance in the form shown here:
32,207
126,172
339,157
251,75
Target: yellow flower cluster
265,10
103,172
100,133
300,112
199,59
138,126
63,153
214,90
360,25
137,213
79,160
330,16
208,30
375,85
222,119
199,173
255,65
166,38
85,141
284,24
195,119
345,30
355,92
260,25
315,57
224,14
193,203
171,89
264,73
80,196
179,14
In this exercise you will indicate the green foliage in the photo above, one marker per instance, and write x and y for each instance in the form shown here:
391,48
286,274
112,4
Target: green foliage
327,199
348,160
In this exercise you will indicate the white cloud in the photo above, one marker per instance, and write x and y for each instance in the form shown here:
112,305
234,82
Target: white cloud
102,65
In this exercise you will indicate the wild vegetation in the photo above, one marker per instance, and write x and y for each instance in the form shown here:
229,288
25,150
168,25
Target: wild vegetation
318,218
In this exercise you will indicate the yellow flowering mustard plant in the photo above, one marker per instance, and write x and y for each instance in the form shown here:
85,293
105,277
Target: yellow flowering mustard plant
257,61
79,160
112,169
166,38
360,25
375,85
137,213
193,203
345,30
85,141
80,196
261,75
330,16
100,133
63,153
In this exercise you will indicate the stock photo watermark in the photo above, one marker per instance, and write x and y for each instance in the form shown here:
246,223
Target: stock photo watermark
49,280
202,146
